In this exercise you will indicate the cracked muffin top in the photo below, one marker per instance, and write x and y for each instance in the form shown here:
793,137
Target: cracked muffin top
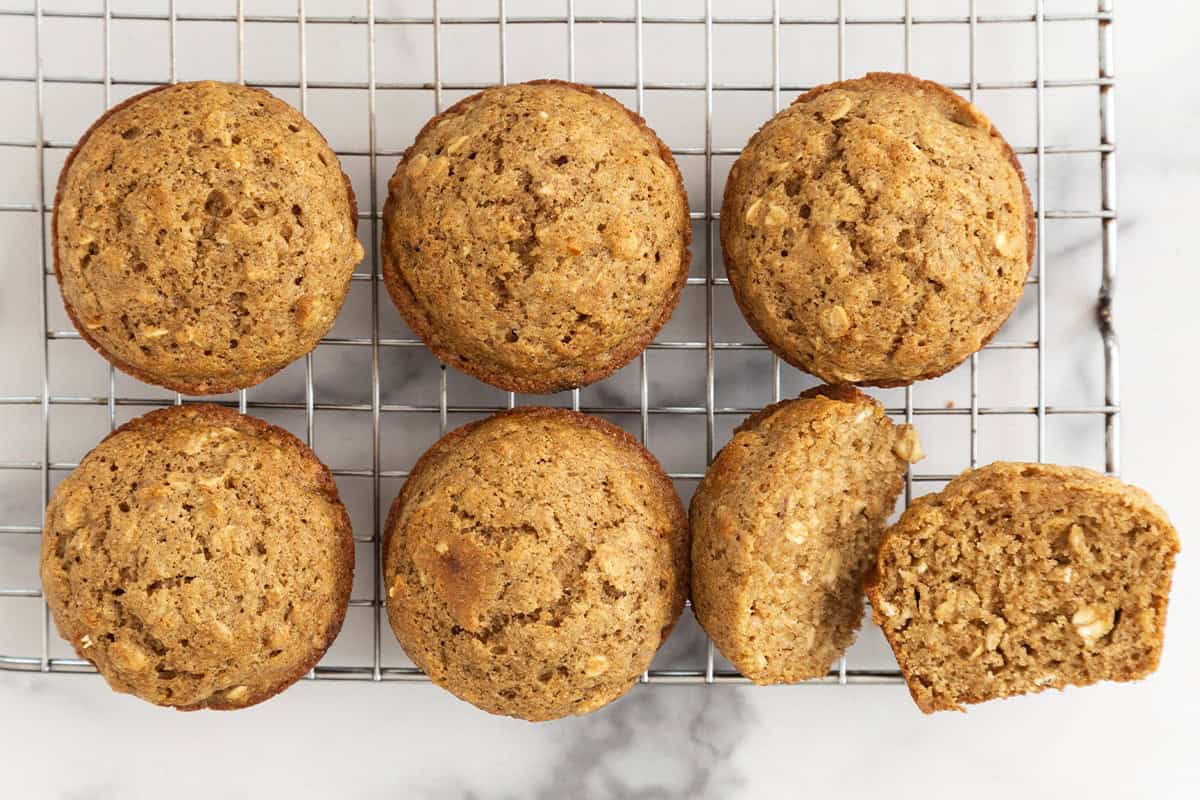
534,562
878,231
199,558
536,236
204,236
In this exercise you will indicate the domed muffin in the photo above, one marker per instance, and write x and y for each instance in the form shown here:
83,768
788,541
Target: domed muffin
534,562
1016,578
785,526
199,558
204,236
878,231
536,236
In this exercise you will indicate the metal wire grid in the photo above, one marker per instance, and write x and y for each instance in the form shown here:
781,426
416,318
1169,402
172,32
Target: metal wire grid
708,672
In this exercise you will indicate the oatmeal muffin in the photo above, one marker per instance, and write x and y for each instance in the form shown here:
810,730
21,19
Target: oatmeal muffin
199,558
536,236
204,236
534,562
786,524
1021,577
878,231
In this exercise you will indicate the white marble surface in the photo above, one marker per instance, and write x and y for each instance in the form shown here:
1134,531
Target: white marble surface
68,736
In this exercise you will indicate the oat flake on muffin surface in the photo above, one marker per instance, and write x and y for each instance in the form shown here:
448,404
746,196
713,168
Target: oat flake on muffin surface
204,236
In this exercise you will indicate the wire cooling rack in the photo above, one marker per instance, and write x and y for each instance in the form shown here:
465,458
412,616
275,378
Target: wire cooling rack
689,67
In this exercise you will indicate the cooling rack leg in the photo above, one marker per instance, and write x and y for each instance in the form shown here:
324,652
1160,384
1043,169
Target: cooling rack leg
640,106
40,126
1108,243
437,109
709,373
972,32
376,532
112,371
1040,33
776,364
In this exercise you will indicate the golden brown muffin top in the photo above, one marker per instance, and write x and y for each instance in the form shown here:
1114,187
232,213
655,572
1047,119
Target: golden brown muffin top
199,558
1016,578
786,524
536,235
878,231
204,236
534,562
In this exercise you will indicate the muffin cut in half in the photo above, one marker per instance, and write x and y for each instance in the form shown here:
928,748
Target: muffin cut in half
204,236
785,525
877,231
536,236
1021,577
534,562
199,558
